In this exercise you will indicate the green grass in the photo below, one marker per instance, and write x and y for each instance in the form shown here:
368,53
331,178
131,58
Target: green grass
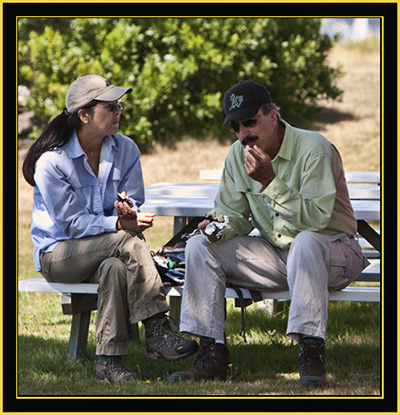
266,365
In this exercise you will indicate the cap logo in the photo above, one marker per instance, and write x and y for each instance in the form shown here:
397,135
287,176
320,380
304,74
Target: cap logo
107,83
236,101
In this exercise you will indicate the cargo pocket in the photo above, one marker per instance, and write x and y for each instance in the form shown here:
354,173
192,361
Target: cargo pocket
338,266
346,262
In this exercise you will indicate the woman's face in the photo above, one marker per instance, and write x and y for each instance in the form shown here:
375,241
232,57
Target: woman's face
104,119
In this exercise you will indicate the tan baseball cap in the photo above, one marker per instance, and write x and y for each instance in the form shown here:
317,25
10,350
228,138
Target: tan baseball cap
90,87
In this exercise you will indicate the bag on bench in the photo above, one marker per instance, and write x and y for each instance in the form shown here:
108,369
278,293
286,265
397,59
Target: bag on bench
170,259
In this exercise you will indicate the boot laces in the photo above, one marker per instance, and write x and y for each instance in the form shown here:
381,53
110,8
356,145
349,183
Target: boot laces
312,360
204,358
164,333
118,370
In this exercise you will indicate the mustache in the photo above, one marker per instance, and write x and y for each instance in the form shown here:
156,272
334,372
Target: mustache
247,140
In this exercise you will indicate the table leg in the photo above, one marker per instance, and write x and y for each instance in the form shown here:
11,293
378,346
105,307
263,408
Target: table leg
369,233
79,335
179,223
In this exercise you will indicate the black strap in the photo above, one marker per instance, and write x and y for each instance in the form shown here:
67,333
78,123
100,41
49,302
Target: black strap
243,309
256,295
243,303
189,228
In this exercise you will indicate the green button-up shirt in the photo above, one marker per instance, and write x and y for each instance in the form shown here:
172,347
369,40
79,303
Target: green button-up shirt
309,192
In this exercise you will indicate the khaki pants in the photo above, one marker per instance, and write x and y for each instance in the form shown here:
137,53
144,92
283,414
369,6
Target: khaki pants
130,288
313,265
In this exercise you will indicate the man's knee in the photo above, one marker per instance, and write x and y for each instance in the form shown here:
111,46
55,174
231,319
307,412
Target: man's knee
195,245
200,255
306,236
308,250
307,241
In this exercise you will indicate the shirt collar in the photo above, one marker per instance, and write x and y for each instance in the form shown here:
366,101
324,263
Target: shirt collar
111,142
285,151
74,149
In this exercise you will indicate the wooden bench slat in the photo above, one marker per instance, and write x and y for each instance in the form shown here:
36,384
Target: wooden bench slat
348,294
373,177
371,273
41,285
364,192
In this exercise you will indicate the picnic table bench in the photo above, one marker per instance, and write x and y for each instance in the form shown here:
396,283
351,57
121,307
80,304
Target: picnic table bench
185,201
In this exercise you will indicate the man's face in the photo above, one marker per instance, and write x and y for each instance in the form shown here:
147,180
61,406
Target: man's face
259,130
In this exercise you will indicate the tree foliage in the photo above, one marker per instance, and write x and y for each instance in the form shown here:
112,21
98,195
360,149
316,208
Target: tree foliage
179,68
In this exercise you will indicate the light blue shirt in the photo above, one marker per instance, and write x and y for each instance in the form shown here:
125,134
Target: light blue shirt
70,202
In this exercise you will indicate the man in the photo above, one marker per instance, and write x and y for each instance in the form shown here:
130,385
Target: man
292,185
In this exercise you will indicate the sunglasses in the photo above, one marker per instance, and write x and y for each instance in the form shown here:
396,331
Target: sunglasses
114,107
234,126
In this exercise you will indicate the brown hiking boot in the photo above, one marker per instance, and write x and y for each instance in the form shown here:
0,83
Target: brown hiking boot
212,363
162,341
112,369
311,362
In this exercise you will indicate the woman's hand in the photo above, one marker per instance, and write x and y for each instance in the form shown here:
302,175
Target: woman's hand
124,210
130,220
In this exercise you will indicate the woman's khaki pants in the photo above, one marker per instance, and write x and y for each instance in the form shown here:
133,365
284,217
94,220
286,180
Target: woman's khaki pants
130,288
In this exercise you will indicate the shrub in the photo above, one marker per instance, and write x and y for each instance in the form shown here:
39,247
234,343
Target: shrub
179,68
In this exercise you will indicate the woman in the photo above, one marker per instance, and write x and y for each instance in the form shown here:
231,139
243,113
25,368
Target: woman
82,233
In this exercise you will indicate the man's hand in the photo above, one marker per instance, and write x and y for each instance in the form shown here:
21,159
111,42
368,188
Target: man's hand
203,225
258,165
130,220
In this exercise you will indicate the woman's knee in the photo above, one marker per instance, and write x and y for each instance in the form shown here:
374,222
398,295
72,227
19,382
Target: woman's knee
111,268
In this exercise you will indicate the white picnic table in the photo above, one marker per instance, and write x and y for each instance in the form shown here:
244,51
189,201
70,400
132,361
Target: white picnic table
187,200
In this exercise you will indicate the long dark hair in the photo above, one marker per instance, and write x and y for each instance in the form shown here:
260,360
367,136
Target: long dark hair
56,134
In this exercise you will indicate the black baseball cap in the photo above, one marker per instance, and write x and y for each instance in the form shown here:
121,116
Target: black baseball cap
243,100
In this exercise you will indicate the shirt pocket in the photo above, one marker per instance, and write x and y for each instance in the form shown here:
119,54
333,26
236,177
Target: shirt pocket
79,177
86,188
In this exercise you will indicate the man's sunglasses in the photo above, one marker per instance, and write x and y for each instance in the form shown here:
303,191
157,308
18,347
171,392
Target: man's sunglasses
114,107
234,126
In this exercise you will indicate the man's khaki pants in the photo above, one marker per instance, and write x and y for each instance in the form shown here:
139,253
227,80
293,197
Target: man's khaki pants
313,265
130,288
